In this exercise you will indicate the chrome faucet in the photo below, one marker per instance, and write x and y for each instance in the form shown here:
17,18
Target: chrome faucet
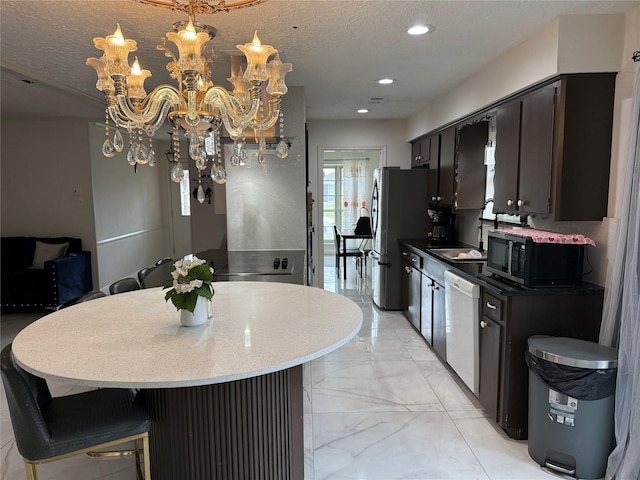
495,223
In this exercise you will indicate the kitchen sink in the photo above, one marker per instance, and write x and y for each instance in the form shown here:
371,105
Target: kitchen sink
454,254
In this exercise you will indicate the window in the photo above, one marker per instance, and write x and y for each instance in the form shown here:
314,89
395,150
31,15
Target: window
331,194
185,195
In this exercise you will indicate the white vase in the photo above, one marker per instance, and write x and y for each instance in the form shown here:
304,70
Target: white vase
199,315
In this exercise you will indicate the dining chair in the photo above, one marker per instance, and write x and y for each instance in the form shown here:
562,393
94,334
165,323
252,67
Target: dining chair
92,295
128,284
142,274
50,428
164,260
344,253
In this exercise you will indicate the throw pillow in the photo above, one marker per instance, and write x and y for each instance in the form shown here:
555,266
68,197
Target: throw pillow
47,251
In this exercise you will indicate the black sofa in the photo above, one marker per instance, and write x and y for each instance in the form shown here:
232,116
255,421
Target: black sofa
41,273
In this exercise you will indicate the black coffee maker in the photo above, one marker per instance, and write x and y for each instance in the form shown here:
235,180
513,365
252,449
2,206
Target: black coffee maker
443,226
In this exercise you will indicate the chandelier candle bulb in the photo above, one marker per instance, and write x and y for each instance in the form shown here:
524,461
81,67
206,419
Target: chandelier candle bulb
257,55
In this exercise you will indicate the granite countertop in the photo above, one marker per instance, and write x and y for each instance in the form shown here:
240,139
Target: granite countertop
475,271
135,340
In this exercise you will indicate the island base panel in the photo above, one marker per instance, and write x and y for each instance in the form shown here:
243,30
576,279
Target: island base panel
251,428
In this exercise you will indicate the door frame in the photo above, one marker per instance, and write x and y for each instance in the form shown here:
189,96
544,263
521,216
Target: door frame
318,247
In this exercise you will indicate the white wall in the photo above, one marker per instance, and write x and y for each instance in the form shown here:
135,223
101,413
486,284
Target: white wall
266,205
131,211
46,180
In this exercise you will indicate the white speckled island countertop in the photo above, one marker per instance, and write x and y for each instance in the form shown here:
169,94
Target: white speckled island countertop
135,339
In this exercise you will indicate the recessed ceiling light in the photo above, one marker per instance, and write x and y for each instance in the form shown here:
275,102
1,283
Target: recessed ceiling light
363,110
420,29
385,81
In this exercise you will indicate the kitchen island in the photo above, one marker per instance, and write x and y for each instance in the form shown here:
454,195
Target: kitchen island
225,398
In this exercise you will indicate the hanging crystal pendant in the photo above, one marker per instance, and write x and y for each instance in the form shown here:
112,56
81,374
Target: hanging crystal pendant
142,155
118,141
108,149
235,157
200,193
219,174
131,155
152,158
244,154
195,150
261,159
262,143
177,173
282,149
201,162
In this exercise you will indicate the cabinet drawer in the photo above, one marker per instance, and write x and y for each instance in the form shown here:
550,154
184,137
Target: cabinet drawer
492,307
412,259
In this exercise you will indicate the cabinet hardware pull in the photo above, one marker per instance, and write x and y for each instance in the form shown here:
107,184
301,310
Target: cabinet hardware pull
407,269
521,203
491,306
510,203
483,324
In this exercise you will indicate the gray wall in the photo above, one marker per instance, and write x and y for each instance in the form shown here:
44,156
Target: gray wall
131,210
46,180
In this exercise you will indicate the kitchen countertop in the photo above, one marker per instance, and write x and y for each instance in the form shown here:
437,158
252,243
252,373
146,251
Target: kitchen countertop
475,271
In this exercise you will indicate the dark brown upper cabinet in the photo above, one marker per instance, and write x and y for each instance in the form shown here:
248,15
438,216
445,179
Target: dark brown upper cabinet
420,152
553,149
471,172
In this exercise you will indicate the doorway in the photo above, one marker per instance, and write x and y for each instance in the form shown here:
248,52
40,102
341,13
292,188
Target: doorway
347,181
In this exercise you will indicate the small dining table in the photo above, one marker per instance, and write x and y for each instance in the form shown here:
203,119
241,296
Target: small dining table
225,398
352,236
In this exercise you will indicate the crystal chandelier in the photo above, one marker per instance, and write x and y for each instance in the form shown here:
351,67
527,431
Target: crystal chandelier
196,106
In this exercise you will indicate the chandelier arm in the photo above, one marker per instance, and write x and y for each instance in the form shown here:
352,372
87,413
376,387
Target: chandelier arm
230,105
271,119
153,110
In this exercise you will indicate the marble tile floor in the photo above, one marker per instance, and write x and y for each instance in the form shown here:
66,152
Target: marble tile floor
382,407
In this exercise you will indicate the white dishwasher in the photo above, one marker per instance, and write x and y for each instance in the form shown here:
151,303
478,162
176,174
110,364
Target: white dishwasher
462,312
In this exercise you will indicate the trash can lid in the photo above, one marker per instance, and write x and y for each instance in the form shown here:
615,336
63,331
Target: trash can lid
573,352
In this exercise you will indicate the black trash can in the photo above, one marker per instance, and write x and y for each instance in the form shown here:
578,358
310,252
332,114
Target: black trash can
571,405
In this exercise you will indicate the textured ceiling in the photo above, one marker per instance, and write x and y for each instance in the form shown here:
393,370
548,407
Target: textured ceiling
338,48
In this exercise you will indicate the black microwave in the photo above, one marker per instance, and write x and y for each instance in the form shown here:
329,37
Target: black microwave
521,260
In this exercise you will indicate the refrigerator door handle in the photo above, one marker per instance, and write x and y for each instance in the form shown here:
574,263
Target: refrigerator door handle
378,257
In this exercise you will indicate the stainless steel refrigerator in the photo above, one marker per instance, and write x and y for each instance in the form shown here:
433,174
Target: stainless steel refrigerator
399,204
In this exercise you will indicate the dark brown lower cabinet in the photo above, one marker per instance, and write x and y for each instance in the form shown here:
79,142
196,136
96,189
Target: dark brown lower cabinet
508,322
490,333
439,321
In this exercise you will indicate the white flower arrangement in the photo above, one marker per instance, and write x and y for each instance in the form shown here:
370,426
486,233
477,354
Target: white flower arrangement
190,279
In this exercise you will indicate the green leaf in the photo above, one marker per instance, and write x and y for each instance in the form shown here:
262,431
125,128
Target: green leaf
185,301
201,272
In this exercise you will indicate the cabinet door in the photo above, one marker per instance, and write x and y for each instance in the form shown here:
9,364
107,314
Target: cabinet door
507,156
490,334
420,152
439,322
415,153
426,325
471,173
446,166
536,150
405,278
414,298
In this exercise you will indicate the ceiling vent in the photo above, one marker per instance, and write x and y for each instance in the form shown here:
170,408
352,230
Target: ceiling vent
376,100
